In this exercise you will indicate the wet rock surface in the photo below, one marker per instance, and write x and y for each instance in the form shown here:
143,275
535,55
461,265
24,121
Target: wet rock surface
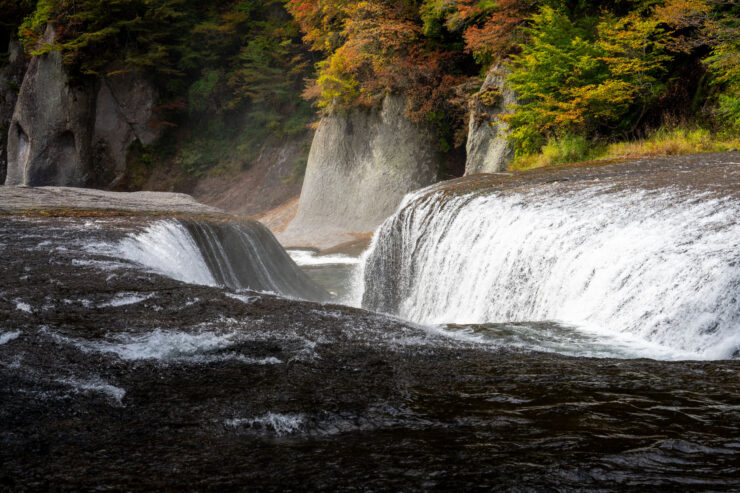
59,199
714,173
113,377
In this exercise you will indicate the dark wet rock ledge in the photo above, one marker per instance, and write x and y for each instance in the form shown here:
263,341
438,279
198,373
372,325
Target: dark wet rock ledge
115,377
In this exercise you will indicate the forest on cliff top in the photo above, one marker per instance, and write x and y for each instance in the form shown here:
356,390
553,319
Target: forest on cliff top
235,74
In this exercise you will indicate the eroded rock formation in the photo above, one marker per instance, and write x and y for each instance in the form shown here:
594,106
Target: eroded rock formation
11,76
75,133
360,166
488,151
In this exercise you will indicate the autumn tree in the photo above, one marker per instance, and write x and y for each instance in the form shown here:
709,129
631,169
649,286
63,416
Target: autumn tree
599,78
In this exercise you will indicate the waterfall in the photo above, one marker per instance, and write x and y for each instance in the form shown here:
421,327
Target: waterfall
241,255
661,265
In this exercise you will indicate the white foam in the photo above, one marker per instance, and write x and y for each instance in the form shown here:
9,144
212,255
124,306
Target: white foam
243,297
570,341
123,299
655,272
162,345
308,258
166,247
171,346
84,302
6,337
22,306
280,424
96,385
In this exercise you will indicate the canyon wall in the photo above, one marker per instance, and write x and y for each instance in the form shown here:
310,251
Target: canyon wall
11,76
75,133
361,164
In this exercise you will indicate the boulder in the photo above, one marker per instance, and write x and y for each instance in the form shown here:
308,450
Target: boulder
75,133
11,76
488,150
361,164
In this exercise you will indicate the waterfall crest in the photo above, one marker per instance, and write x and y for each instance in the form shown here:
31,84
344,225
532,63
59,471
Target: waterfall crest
659,265
241,255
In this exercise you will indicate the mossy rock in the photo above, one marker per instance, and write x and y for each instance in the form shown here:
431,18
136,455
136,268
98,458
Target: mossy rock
490,96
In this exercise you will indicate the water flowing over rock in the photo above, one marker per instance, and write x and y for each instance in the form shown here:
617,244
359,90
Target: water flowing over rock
627,257
193,243
488,151
75,133
360,166
11,77
115,376
51,199
237,255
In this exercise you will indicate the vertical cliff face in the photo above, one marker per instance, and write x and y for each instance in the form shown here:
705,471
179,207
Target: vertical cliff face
11,76
360,166
75,134
49,135
124,106
487,148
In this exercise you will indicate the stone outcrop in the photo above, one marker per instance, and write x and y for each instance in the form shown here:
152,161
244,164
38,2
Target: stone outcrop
488,151
50,133
360,166
75,133
123,109
11,76
19,199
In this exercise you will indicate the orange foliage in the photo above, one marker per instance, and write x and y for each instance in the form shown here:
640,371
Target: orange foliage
494,32
376,48
691,20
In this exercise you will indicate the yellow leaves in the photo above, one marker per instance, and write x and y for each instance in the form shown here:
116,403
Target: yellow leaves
680,14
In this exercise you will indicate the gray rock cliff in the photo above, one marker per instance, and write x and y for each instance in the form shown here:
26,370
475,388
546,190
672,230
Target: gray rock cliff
11,76
75,134
360,166
488,151
123,108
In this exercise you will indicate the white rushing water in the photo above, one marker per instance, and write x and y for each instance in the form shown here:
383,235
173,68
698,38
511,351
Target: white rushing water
166,247
659,270
237,256
310,258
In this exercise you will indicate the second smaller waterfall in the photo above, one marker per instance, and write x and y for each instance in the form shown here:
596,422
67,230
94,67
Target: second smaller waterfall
241,255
